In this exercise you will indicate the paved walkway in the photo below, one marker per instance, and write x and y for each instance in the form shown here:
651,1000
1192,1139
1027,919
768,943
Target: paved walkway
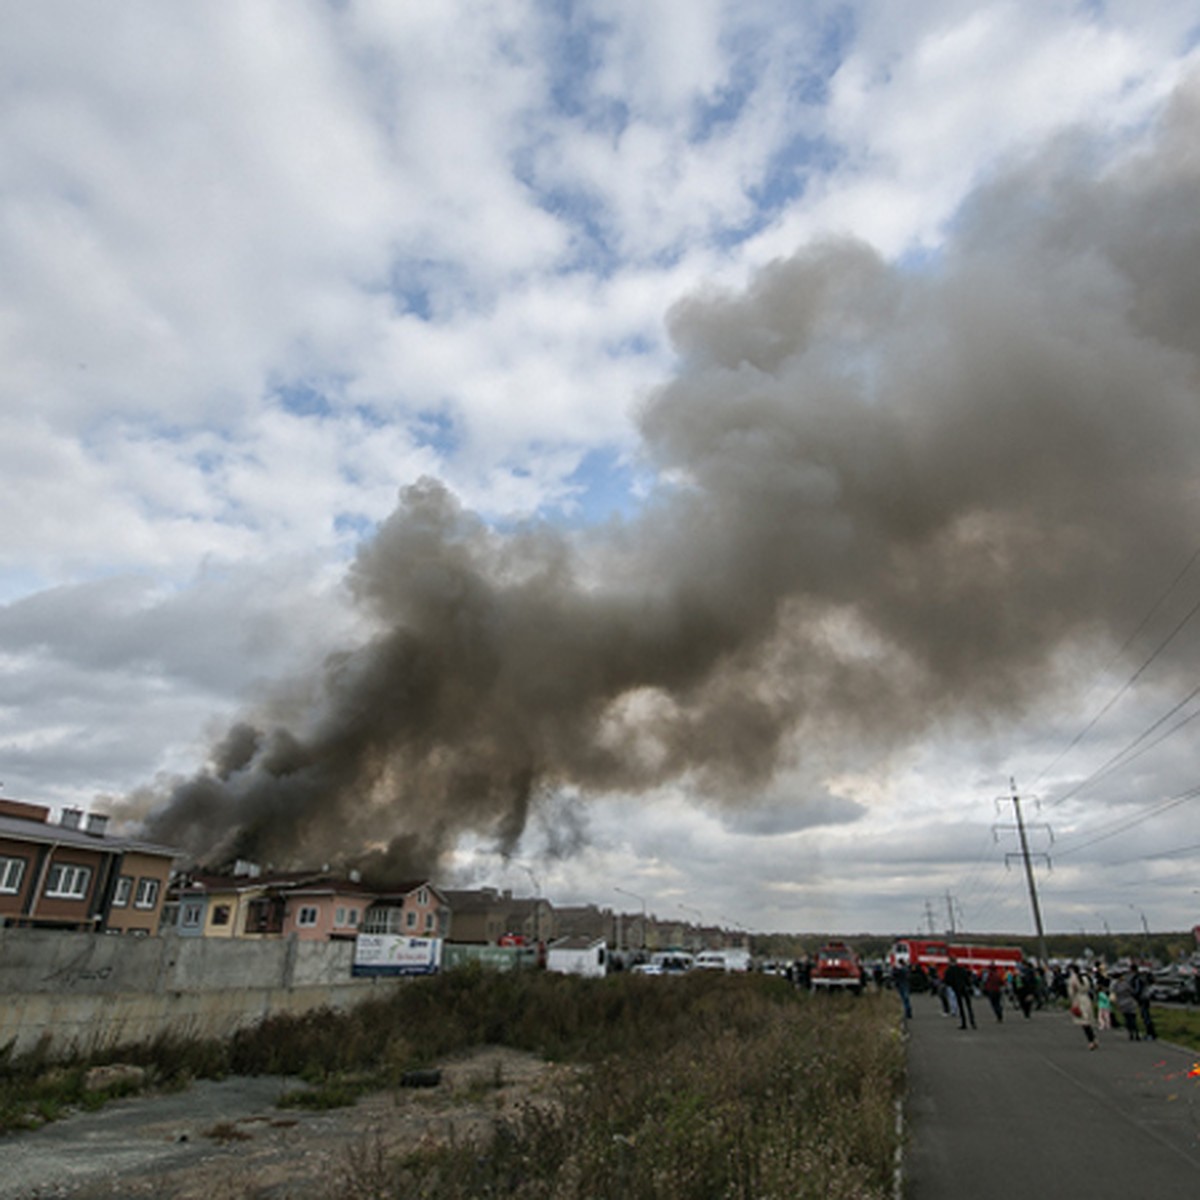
1023,1108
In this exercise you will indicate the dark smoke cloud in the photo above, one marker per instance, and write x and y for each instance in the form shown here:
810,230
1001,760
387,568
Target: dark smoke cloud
893,498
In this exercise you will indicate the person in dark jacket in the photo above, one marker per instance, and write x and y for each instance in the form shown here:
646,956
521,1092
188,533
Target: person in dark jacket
901,982
1139,985
1123,998
958,979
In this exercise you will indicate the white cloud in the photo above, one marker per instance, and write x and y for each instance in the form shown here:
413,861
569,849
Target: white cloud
263,264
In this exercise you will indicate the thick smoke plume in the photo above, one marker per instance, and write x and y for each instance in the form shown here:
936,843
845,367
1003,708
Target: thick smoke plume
893,497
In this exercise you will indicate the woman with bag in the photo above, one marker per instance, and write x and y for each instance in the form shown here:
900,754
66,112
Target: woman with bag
1083,1012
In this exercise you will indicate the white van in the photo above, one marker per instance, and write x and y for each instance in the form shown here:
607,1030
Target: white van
723,960
666,962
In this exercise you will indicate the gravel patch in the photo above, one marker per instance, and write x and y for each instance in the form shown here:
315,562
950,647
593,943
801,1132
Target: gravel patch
228,1140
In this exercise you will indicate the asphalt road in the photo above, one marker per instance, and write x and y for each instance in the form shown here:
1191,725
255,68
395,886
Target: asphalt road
1024,1108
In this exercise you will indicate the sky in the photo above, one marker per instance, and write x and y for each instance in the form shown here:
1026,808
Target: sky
681,454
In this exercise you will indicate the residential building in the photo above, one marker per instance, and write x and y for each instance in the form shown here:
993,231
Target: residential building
308,905
417,909
244,904
488,916
325,908
75,875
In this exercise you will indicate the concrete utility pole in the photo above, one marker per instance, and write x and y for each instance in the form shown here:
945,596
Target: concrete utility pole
1015,800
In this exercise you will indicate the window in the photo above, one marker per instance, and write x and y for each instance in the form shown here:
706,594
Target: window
12,871
411,919
423,897
340,919
147,893
354,916
192,913
221,914
306,918
68,882
428,921
121,895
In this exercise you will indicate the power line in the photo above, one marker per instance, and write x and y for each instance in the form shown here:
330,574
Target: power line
1142,858
1140,671
1129,822
1115,761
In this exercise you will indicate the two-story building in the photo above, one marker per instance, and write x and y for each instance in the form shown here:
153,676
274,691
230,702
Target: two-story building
308,905
486,915
74,875
417,909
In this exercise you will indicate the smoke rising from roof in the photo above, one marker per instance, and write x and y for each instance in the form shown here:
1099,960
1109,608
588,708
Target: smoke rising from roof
892,497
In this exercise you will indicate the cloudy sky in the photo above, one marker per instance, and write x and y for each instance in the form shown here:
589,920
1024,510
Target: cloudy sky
680,453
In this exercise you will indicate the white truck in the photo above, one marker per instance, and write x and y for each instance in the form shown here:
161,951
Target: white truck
578,956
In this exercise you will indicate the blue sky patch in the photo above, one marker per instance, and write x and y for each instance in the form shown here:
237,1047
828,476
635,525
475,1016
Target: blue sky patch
605,485
304,400
437,430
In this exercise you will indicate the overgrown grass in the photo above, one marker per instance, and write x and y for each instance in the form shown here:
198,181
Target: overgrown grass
702,1086
1178,1025
748,1095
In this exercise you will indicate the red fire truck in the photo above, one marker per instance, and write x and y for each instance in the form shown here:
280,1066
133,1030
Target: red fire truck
837,967
932,956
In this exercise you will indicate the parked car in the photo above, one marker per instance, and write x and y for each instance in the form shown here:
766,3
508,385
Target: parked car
1171,984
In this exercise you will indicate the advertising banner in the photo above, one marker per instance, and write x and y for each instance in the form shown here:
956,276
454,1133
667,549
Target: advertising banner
394,954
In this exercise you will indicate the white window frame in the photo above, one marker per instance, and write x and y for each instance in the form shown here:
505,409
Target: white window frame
306,917
12,873
428,921
122,891
340,916
354,914
147,893
410,919
68,881
191,915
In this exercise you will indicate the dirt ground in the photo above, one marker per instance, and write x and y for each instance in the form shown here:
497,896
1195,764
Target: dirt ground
228,1140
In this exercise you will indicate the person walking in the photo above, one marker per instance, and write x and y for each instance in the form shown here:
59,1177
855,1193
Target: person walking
1083,1011
1123,998
993,989
1026,988
1139,985
958,980
900,981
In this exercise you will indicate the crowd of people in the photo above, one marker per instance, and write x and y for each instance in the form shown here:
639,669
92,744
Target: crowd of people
1098,1000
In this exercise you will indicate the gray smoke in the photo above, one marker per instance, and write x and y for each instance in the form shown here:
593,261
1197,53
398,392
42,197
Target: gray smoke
894,497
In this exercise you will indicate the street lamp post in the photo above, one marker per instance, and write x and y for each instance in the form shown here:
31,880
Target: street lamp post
1145,927
537,906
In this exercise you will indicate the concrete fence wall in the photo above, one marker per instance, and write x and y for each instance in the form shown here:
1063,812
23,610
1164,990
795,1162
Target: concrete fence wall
83,992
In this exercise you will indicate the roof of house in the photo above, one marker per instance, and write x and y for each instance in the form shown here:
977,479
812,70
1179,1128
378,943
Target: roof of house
575,943
481,900
330,885
43,832
214,881
397,892
298,883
